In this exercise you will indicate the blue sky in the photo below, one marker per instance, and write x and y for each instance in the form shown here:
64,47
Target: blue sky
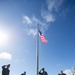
18,20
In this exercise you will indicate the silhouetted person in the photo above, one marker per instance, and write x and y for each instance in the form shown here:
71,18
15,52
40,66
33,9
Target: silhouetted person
5,69
23,73
61,73
43,72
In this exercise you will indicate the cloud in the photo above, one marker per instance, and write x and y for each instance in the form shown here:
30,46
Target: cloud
37,21
31,29
27,20
69,71
52,10
31,32
60,7
49,13
54,4
49,17
42,25
56,8
5,55
30,25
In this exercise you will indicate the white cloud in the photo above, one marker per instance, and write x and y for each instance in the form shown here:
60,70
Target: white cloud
69,71
5,55
27,20
42,25
49,17
31,29
31,32
50,4
54,4
59,7
35,19
38,21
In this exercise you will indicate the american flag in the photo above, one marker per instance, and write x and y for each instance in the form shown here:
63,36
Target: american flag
43,39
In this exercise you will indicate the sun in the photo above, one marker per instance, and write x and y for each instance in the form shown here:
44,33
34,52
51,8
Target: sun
4,37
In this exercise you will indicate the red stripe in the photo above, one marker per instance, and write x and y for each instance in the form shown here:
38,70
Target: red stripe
43,39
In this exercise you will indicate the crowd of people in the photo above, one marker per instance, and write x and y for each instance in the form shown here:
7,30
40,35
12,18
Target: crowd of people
6,71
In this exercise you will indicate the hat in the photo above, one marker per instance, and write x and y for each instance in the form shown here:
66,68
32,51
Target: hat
43,68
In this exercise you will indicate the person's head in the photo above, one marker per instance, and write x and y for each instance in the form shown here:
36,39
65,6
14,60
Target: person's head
61,71
43,69
8,65
24,72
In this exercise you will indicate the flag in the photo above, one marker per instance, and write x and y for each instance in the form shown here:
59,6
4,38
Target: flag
43,39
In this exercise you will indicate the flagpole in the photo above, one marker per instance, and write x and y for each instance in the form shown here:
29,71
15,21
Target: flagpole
37,50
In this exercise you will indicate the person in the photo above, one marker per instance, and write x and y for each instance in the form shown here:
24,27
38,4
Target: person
5,69
61,73
23,73
43,72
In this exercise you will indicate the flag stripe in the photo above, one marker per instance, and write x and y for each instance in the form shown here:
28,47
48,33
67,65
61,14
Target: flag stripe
43,39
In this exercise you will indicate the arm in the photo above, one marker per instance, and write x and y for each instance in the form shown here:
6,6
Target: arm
40,72
3,66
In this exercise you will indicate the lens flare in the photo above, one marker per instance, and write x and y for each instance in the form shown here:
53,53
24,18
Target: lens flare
4,37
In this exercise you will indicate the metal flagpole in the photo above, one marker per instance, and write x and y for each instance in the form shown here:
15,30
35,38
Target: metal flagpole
37,50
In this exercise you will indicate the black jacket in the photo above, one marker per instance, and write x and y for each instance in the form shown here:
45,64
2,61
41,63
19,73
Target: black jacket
5,71
44,73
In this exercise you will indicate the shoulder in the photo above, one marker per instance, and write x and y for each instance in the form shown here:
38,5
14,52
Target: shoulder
46,73
3,66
